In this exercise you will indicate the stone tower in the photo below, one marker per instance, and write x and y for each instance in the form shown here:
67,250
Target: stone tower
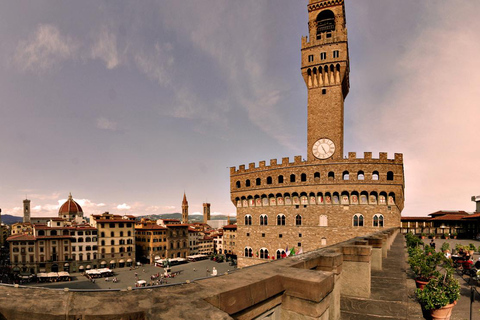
184,209
206,212
325,69
26,210
330,197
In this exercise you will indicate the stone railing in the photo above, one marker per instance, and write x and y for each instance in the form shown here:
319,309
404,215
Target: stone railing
307,286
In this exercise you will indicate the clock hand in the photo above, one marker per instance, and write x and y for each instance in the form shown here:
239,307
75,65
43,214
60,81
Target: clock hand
324,149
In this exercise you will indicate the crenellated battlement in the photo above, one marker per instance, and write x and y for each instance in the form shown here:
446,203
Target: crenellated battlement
317,5
299,161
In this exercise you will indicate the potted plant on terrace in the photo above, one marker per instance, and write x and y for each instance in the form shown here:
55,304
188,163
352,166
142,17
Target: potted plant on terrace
439,296
424,264
454,235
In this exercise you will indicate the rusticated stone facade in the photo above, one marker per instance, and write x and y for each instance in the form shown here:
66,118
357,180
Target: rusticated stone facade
326,199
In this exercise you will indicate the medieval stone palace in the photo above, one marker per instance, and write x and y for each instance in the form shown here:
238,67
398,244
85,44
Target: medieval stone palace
291,207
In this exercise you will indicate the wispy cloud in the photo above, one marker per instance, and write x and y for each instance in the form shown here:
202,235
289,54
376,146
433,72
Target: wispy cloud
156,63
45,49
123,206
105,48
106,124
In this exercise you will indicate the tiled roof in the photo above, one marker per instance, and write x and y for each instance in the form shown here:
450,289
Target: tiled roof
70,206
447,217
444,212
476,215
415,218
230,226
21,237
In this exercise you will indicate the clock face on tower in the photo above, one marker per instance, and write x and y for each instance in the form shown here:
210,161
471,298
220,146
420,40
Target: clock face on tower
323,148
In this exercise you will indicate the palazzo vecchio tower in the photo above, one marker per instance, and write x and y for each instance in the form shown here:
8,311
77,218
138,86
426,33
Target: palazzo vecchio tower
328,198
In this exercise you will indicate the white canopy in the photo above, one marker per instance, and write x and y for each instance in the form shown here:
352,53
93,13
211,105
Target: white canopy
63,274
52,274
141,282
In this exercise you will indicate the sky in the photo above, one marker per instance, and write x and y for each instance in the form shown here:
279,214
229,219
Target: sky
127,105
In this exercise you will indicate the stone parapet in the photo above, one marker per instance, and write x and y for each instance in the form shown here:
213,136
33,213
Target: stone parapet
307,286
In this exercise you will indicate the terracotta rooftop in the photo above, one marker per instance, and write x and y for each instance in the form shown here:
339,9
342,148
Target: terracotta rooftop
415,218
21,237
70,206
230,226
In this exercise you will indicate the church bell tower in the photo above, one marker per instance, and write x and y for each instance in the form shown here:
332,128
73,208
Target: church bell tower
325,69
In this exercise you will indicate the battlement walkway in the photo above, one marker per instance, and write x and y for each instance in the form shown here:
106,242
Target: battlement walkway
393,292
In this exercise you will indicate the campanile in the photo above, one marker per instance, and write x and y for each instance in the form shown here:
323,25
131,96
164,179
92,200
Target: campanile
325,69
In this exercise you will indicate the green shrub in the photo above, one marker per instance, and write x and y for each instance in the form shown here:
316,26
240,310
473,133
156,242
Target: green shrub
439,292
445,246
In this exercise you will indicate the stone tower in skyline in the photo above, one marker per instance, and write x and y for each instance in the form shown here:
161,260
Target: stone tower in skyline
26,210
206,212
325,69
184,209
328,198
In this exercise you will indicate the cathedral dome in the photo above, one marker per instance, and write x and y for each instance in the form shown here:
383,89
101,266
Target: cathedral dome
70,206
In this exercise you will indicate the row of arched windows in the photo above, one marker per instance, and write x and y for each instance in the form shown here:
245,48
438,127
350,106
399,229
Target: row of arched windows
360,176
335,198
358,220
280,220
264,254
377,220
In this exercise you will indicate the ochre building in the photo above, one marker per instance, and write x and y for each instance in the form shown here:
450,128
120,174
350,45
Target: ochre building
329,197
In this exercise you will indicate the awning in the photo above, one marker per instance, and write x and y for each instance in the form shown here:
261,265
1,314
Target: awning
66,265
89,267
103,262
129,260
112,262
121,261
80,268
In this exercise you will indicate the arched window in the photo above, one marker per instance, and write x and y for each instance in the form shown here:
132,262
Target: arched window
112,242
248,220
325,22
331,175
264,253
112,234
303,177
389,175
41,233
88,248
281,254
263,220
80,240
378,220
247,183
258,181
248,252
102,234
298,220
53,232
103,242
280,179
360,175
358,220
323,242
238,184
88,239
375,175
323,221
281,220
292,178
121,233
346,175
316,176
129,233
269,180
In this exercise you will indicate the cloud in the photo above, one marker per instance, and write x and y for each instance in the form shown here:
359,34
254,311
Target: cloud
429,111
45,49
106,124
124,206
105,48
156,63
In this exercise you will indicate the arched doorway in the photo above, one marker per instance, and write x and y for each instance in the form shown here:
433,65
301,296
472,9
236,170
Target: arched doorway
54,267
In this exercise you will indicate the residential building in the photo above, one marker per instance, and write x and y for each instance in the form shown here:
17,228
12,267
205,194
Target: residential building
229,238
116,239
150,241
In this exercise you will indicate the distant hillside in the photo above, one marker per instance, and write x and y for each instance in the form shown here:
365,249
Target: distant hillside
193,218
8,219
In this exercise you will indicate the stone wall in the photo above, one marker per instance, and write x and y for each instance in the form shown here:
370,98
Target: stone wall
307,286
